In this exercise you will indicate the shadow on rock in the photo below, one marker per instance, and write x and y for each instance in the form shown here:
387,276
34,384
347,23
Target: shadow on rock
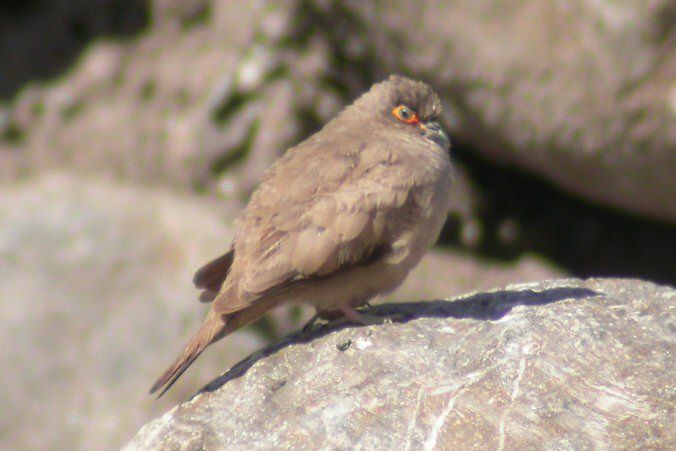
481,306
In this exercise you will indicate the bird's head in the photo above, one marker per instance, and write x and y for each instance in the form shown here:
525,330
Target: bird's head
408,106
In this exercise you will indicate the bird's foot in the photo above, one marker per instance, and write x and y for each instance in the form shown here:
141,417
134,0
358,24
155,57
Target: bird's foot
307,328
354,316
348,314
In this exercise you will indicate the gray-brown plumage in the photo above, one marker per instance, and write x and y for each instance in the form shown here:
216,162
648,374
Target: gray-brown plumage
340,218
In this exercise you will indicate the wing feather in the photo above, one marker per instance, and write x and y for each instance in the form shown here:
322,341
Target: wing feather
211,276
290,235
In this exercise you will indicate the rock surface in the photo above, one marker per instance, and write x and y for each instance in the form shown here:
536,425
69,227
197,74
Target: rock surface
129,108
96,300
549,365
573,91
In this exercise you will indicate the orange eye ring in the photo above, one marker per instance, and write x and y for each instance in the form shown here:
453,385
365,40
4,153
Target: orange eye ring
405,114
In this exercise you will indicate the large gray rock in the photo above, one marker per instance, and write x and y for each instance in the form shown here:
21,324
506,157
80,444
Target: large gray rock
581,92
564,364
96,300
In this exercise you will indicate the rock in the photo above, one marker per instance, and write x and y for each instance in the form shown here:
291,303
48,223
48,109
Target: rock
442,274
579,92
132,108
548,365
96,298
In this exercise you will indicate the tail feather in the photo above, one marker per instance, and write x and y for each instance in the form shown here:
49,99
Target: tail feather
211,330
215,326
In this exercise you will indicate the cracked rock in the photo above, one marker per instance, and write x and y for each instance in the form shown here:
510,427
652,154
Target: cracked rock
557,364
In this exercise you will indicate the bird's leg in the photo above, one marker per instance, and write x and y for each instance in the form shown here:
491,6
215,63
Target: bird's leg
373,319
307,328
345,313
326,315
359,318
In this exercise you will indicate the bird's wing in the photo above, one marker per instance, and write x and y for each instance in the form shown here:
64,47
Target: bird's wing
210,277
327,214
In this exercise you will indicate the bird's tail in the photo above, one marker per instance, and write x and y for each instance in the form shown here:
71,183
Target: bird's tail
213,329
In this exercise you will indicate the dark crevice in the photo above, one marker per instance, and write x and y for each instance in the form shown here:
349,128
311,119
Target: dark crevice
585,238
236,154
231,105
340,28
199,16
41,39
12,134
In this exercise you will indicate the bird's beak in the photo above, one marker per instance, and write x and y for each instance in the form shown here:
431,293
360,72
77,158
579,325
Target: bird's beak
435,133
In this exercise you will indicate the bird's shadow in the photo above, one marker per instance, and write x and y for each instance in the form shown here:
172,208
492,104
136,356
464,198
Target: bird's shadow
482,306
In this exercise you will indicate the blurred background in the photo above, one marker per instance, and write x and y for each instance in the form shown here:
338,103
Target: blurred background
132,133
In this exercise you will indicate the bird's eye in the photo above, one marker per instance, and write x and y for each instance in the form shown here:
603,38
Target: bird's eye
405,114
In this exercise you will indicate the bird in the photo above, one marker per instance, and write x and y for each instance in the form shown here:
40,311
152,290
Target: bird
336,220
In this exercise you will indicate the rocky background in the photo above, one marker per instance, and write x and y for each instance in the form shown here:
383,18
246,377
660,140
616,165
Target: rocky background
132,132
